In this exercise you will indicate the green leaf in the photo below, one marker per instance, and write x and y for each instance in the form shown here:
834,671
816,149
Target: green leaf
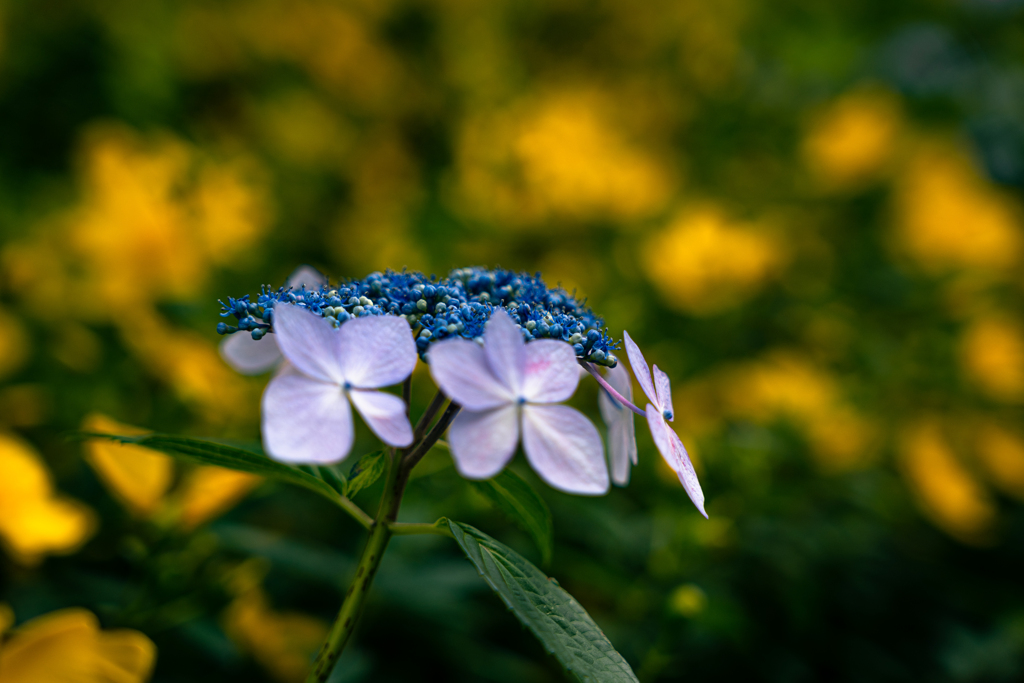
511,494
223,455
554,616
366,471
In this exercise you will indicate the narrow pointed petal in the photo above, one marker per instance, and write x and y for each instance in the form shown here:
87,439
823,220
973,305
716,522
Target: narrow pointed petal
385,414
621,428
552,373
308,341
483,442
506,350
248,356
460,368
639,366
664,390
306,276
674,453
376,351
305,420
565,449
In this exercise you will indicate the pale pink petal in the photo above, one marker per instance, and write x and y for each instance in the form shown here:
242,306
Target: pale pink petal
621,429
565,449
552,372
248,356
687,477
664,390
506,350
385,414
376,351
459,367
306,276
674,453
483,442
640,369
305,420
308,341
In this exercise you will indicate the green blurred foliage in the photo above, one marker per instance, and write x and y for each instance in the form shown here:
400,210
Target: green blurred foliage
808,213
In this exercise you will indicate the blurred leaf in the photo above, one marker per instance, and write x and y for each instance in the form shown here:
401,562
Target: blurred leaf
222,455
511,494
332,476
366,471
554,616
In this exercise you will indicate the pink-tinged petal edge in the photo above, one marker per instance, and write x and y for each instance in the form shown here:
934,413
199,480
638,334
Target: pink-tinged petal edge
674,453
248,356
483,442
565,449
305,420
639,366
552,373
460,369
385,415
622,449
308,341
376,351
505,350
664,391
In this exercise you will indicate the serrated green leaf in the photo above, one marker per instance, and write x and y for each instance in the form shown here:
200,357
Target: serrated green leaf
366,471
511,494
222,455
554,616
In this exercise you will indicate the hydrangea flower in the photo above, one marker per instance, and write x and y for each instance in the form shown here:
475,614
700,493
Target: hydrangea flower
619,420
245,354
659,414
509,388
307,415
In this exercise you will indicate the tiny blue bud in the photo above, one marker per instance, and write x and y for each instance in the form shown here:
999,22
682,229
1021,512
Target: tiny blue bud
222,328
421,304
593,336
578,348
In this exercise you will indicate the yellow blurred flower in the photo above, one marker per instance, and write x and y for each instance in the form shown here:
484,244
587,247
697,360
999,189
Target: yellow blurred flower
946,491
140,478
949,216
1001,451
854,138
34,520
68,646
992,357
688,600
13,343
704,263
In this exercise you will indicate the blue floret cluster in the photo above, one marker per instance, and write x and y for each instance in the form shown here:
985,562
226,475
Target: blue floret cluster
455,306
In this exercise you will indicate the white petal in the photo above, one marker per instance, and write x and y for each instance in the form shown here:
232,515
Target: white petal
248,356
385,413
506,350
306,276
308,341
483,442
672,449
305,420
564,448
664,389
376,351
639,366
552,372
459,367
621,429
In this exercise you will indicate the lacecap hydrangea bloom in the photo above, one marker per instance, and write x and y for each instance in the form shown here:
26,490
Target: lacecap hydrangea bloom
503,347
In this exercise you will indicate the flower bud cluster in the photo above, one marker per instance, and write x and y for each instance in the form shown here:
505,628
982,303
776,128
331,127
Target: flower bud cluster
458,305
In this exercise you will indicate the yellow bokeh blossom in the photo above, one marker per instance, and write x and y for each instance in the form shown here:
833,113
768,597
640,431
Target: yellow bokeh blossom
1001,451
992,357
68,646
853,139
34,519
704,263
949,216
208,492
13,343
139,477
946,490
688,600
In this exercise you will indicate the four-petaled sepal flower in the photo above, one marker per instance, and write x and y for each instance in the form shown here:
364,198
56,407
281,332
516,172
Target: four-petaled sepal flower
659,414
508,387
619,419
306,413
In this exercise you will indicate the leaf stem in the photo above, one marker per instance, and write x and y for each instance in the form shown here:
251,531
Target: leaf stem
408,529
